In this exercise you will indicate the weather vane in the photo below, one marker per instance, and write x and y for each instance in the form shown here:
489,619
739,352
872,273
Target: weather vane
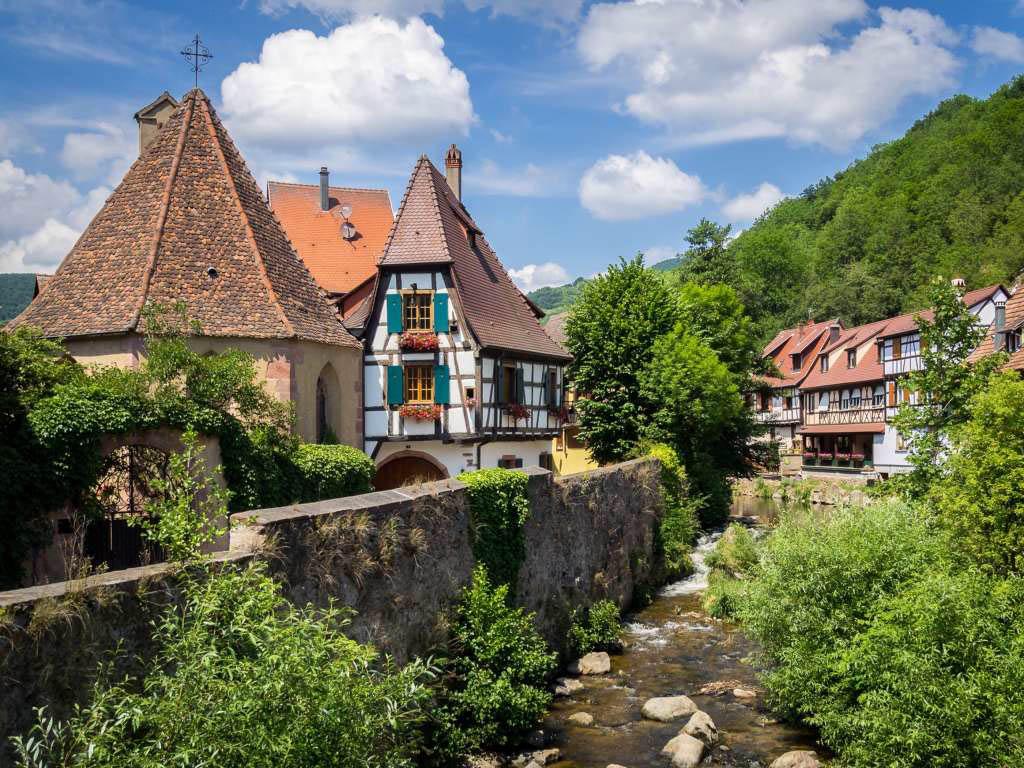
198,54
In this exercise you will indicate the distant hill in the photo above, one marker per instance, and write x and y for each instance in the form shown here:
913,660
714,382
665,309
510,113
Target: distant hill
17,289
555,299
668,264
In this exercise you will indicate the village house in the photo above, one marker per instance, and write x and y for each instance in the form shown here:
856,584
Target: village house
188,223
569,453
1005,332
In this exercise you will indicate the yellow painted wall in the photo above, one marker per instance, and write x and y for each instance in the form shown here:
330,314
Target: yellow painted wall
569,454
288,368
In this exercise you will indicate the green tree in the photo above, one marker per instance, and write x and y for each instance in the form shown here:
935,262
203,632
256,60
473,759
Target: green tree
945,384
611,333
716,316
707,260
980,494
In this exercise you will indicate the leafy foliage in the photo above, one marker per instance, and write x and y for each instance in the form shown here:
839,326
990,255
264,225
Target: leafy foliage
706,261
596,629
555,299
331,471
611,332
679,524
500,671
731,564
499,507
945,384
243,678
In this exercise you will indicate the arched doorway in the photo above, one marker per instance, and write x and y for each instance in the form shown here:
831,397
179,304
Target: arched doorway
328,405
407,468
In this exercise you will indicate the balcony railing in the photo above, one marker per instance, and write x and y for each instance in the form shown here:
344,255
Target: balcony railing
902,365
860,415
777,415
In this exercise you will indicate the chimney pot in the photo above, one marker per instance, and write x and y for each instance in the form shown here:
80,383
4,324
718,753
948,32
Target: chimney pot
453,170
325,195
833,333
959,283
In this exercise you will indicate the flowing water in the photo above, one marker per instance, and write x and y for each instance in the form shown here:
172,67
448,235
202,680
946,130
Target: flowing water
673,647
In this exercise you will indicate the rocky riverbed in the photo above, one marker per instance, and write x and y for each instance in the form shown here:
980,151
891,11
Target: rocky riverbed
673,649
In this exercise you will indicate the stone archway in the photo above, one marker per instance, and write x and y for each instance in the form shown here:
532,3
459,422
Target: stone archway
328,405
408,468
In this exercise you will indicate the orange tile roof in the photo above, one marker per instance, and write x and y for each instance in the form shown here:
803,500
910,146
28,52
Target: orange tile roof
1014,320
337,264
803,338
868,369
187,222
907,322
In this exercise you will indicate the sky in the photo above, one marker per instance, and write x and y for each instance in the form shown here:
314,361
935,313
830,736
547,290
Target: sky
589,131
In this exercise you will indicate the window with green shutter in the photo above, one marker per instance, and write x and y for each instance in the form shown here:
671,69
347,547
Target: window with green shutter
520,386
442,392
440,313
394,306
396,384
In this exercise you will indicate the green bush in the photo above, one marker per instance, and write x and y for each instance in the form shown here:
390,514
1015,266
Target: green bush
243,679
499,507
596,629
332,471
500,668
818,584
723,595
679,526
731,563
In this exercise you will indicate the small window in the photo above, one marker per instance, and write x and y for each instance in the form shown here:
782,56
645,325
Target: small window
552,392
851,358
418,311
1013,341
796,362
510,462
897,348
419,384
824,363
470,393
508,384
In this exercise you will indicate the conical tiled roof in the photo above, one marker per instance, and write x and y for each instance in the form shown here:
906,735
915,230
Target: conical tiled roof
187,223
433,227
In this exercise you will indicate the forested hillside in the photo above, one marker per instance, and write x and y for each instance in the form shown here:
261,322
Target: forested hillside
945,199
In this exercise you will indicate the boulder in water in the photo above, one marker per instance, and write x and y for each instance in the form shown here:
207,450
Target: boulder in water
744,694
597,663
701,726
668,708
567,686
584,719
684,750
797,758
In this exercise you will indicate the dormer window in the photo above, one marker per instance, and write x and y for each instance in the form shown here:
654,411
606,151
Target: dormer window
824,363
796,361
1013,340
851,358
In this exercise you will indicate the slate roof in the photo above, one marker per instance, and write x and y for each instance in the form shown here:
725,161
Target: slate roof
433,227
187,222
338,265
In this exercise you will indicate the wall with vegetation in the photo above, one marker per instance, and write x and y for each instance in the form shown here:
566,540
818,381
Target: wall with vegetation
399,558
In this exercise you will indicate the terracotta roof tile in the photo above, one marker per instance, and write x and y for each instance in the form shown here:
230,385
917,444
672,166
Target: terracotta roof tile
433,227
868,368
807,339
555,327
1014,320
337,264
907,322
187,222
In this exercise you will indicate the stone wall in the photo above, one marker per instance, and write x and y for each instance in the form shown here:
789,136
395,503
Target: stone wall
399,558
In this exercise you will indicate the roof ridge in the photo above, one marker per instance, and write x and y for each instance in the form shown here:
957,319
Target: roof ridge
249,235
165,205
437,206
329,186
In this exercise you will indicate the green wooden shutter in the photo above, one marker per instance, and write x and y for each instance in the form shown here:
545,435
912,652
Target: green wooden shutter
396,385
520,387
394,313
442,392
441,313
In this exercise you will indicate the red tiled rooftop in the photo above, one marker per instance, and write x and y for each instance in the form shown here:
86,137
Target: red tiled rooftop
337,264
867,369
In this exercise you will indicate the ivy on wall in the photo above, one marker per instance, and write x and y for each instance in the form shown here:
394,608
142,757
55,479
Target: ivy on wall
499,506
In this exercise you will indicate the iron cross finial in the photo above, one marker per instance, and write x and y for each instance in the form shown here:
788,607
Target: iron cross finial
198,54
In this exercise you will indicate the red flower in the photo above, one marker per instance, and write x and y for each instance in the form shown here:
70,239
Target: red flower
418,342
517,412
424,412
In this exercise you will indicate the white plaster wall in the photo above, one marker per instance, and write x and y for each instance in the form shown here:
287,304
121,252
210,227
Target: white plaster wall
886,456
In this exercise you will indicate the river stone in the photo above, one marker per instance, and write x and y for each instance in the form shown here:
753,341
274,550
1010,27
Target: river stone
584,719
701,726
567,686
597,663
614,765
798,758
547,756
668,708
684,750
744,694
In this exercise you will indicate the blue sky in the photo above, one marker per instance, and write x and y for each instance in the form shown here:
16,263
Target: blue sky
589,131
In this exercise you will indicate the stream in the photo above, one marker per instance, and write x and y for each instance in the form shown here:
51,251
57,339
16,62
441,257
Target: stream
672,647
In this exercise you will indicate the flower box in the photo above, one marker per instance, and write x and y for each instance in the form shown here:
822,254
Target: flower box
412,341
517,412
560,412
825,457
810,455
423,412
857,457
471,402
843,456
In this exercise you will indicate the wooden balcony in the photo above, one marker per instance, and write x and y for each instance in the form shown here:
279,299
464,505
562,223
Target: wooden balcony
778,416
838,417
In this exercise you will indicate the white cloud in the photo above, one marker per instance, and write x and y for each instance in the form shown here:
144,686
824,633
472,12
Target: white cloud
106,152
541,11
1006,46
375,80
722,70
748,207
657,253
634,186
530,181
501,138
534,276
40,218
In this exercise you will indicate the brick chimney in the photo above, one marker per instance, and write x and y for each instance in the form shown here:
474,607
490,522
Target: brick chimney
325,189
453,170
833,333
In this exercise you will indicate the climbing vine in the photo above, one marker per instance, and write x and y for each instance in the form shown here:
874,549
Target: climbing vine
499,507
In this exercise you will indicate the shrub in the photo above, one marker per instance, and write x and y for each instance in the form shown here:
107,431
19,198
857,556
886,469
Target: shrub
723,595
500,671
498,508
597,630
332,471
731,563
818,584
679,525
244,679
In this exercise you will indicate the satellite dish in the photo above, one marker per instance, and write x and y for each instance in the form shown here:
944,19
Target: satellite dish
348,231
346,211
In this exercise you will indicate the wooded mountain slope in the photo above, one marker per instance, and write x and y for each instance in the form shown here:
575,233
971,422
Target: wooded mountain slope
945,199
